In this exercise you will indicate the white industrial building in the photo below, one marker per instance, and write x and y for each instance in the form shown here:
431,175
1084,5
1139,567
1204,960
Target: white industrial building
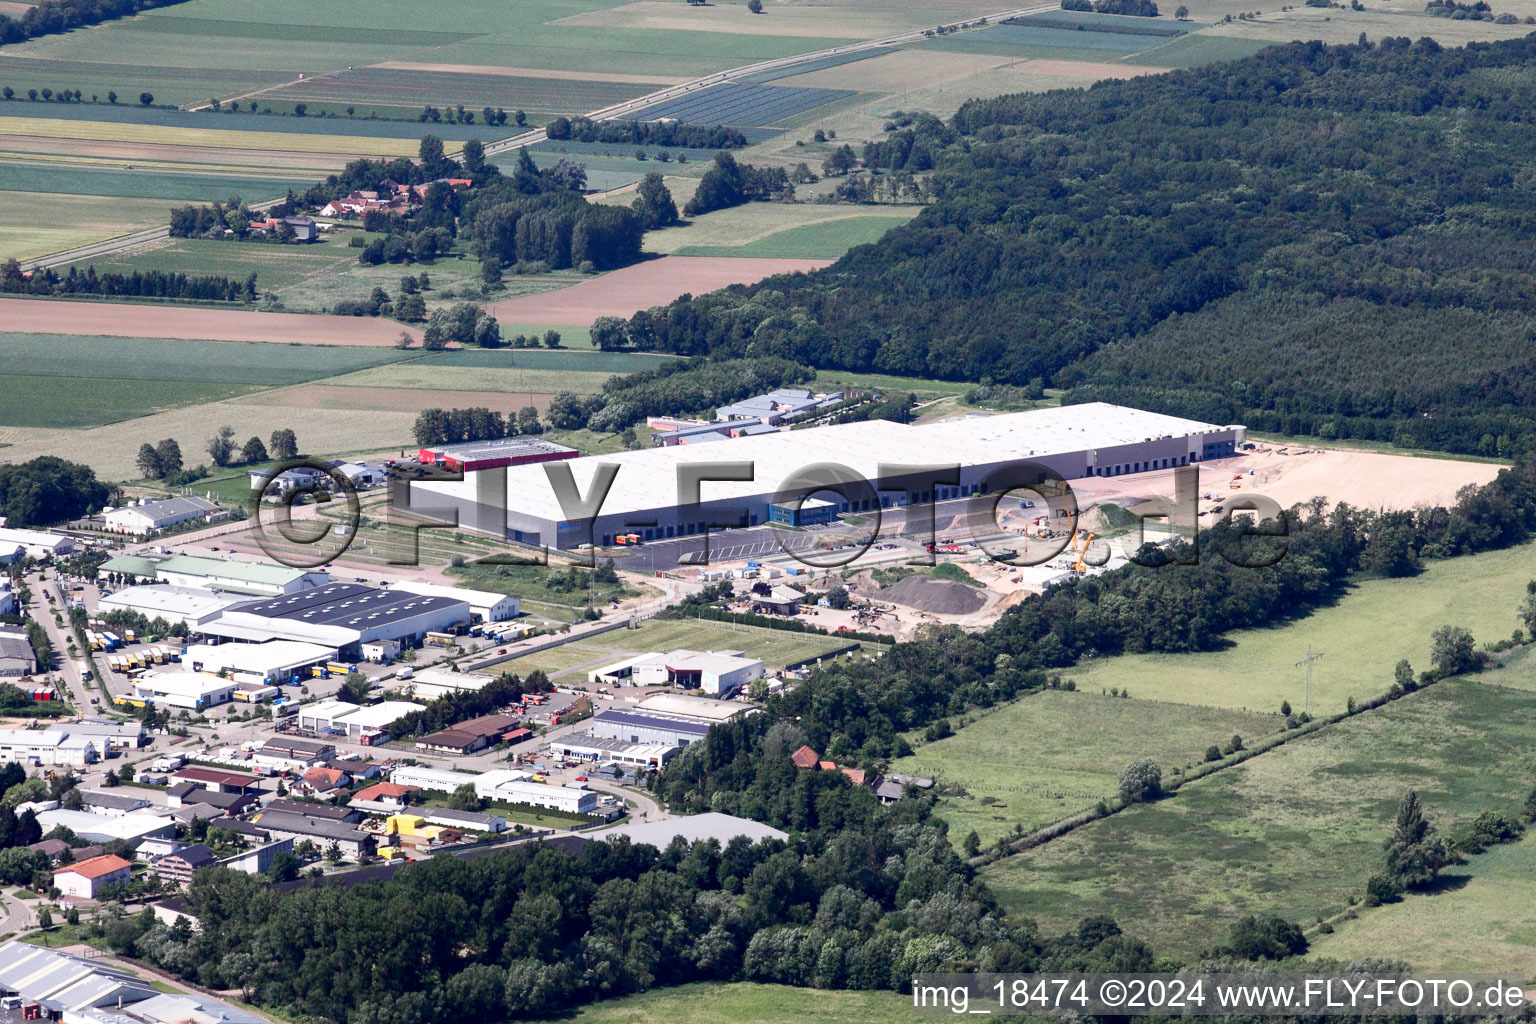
705,709
500,785
695,828
49,748
342,616
648,728
432,683
192,605
717,673
630,755
38,543
276,661
193,691
356,722
237,576
485,605
145,517
16,655
1093,439
100,828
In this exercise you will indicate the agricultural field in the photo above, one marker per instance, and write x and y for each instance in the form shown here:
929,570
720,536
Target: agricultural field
276,266
508,379
349,280
925,389
72,402
747,1003
413,87
266,365
1361,638
651,283
105,181
1033,761
823,240
35,223
1294,831
738,103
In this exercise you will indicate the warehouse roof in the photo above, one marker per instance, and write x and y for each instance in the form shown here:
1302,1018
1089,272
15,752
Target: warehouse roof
377,716
259,658
164,599
224,568
167,509
348,605
96,867
37,973
476,598
704,708
308,825
863,446
500,448
643,721
133,565
181,684
695,827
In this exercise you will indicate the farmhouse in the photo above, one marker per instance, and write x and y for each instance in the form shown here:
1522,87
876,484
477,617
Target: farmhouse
991,454
385,798
146,517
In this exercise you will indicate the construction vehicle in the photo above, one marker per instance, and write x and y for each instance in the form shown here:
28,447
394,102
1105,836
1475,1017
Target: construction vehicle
1080,565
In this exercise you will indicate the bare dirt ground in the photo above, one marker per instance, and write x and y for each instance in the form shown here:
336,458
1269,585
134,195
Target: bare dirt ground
126,320
653,283
150,151
413,400
13,8
1363,479
1086,69
493,69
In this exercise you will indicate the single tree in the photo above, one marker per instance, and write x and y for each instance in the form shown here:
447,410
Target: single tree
1415,853
1181,13
170,456
111,97
972,844
221,446
149,462
283,444
755,6
1452,650
254,451
146,98
1141,781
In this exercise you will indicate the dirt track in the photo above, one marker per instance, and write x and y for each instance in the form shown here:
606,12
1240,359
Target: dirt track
653,283
128,320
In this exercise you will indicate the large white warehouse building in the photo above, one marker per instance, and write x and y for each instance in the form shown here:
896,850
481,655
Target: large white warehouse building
1075,441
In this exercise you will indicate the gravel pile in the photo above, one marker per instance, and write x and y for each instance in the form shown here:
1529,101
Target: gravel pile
940,597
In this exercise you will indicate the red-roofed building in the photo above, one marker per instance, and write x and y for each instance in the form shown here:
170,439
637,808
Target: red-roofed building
827,766
323,780
386,797
88,877
805,757
856,774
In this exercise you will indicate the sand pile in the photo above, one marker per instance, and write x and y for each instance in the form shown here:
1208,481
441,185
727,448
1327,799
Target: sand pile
941,597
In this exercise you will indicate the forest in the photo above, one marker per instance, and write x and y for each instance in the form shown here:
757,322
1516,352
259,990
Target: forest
1168,241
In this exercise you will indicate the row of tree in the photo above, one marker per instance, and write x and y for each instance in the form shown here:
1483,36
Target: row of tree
137,284
164,461
678,134
452,426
